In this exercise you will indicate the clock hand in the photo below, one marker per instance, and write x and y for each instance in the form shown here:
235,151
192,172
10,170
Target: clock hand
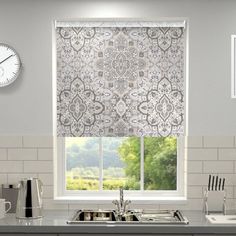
6,59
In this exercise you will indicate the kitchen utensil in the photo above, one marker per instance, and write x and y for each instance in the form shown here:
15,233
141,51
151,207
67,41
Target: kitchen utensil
213,181
219,184
209,183
223,184
214,202
10,193
216,185
215,196
3,209
29,202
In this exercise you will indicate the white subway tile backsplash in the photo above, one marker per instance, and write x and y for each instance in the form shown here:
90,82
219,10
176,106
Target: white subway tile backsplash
231,205
48,192
10,141
38,141
194,141
11,166
38,166
218,141
47,179
227,154
50,204
202,154
197,179
194,166
229,191
3,179
230,179
32,156
218,167
194,204
3,154
22,154
84,206
234,191
14,178
45,154
172,206
194,192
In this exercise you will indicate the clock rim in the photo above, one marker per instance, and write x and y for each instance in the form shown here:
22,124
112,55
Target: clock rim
20,65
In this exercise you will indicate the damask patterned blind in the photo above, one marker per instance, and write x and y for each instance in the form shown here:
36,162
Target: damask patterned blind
120,81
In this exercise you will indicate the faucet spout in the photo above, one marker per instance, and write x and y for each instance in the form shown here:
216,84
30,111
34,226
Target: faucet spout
121,197
121,204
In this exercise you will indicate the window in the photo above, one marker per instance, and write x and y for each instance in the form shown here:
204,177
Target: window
111,163
94,168
119,105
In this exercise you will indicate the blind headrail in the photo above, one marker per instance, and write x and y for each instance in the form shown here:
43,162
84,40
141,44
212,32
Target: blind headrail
119,23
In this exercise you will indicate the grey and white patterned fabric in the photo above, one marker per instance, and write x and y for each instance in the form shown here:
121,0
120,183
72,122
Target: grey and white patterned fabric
120,81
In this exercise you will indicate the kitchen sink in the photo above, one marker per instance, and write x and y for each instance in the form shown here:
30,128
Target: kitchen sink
163,217
93,216
130,217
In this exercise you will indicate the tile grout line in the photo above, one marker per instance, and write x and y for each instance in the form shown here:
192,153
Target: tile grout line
203,167
234,167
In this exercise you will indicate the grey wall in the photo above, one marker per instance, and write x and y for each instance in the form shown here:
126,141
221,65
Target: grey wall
26,105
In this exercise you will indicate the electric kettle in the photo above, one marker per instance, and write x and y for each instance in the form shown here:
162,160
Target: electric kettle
29,201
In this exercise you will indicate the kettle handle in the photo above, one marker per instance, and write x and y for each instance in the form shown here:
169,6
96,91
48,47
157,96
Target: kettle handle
41,186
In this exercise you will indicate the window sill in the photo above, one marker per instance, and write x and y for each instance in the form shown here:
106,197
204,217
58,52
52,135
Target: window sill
108,200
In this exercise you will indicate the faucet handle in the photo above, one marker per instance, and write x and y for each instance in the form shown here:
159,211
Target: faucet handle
126,204
116,203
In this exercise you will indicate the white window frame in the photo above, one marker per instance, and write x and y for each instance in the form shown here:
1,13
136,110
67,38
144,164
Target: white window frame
137,197
106,196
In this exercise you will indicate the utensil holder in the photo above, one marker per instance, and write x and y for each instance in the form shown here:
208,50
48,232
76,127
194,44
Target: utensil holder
215,202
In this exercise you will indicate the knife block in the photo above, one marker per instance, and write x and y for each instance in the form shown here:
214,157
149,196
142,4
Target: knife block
215,202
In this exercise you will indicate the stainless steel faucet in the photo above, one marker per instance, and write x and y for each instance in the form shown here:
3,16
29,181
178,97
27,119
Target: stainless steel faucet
121,204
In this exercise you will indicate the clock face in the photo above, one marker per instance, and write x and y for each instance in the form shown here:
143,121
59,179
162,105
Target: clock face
10,65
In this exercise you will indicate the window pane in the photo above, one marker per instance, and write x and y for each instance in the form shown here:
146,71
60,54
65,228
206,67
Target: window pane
160,163
121,163
82,163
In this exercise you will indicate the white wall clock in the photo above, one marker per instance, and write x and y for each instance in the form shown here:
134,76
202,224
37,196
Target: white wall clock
10,65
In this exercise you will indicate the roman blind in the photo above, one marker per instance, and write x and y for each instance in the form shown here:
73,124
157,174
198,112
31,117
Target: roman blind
120,79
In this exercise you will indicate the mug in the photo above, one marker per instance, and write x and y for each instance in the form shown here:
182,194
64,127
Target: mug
3,209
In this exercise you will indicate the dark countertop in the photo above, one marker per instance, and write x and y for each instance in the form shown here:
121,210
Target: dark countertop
55,222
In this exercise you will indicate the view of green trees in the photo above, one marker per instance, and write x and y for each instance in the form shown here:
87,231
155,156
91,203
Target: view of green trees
121,163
